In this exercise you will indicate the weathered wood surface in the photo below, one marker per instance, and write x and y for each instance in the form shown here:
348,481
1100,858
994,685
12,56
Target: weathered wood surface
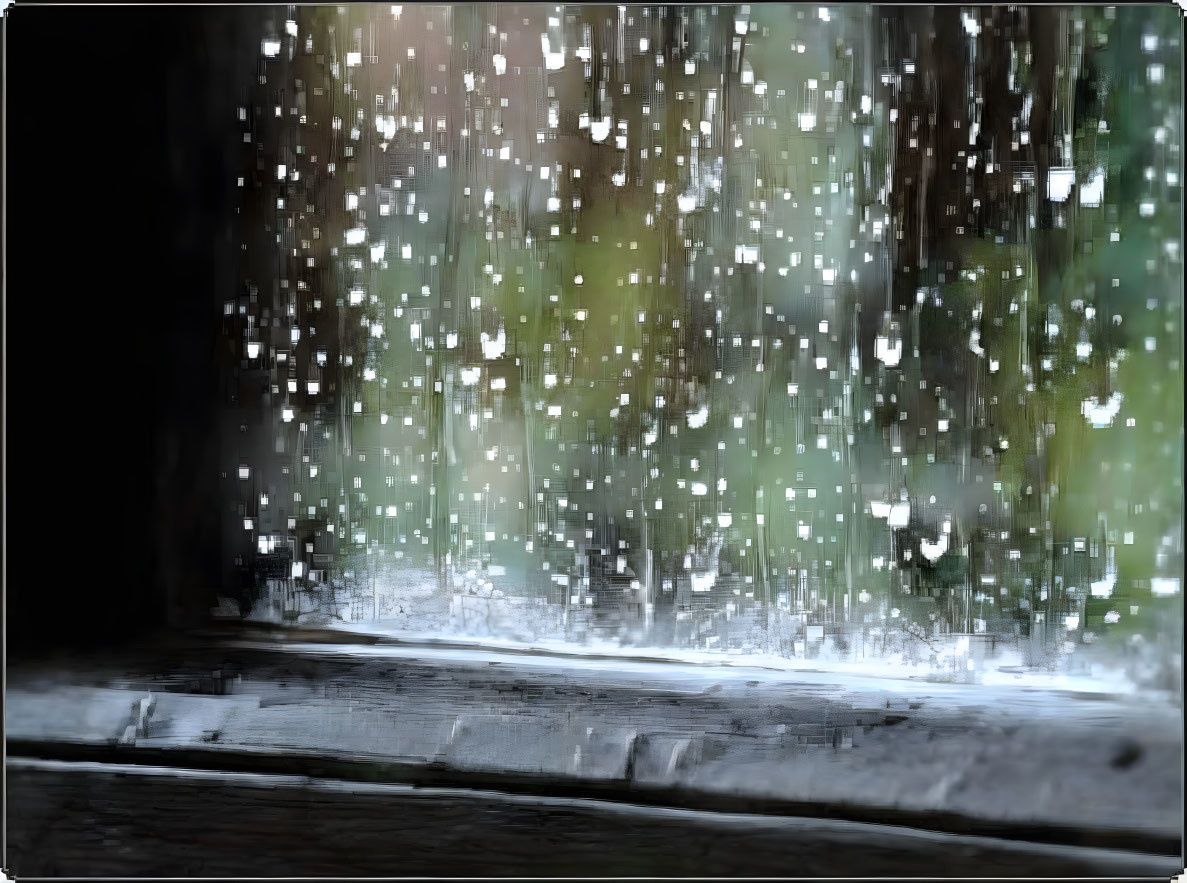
97,820
1026,757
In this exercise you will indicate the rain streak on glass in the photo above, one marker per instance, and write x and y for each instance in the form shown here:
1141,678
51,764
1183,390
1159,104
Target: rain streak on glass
769,329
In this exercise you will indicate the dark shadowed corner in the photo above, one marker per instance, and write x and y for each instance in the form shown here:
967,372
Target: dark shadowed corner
121,238
202,87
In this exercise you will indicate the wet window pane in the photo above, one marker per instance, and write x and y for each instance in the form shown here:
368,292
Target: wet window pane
845,334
